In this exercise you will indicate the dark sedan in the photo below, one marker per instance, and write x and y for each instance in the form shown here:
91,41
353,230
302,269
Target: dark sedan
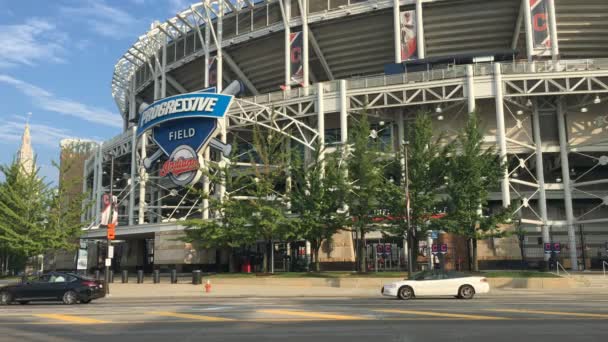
67,287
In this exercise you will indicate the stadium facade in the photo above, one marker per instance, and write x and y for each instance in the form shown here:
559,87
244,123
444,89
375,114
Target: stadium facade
536,72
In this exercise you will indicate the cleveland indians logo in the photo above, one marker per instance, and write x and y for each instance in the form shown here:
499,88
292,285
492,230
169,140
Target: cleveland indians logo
182,126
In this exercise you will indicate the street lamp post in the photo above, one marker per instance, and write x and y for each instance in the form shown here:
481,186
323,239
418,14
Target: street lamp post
111,221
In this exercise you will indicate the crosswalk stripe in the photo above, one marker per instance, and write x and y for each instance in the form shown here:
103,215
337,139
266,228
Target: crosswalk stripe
441,314
307,314
72,319
554,313
190,316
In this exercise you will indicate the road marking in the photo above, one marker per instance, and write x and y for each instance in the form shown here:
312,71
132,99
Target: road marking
554,313
72,319
190,316
318,315
442,314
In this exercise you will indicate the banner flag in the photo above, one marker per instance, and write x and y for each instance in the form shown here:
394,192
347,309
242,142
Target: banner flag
409,48
297,71
540,28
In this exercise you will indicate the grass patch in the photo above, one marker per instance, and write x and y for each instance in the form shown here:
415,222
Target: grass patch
519,274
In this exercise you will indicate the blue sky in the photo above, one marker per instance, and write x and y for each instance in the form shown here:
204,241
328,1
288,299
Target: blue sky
56,61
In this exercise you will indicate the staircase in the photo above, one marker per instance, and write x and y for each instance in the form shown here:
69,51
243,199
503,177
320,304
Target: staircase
597,281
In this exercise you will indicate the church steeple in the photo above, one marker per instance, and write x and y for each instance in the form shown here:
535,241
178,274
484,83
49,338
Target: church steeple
25,156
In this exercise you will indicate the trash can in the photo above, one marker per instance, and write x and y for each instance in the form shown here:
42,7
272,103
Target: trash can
156,276
140,276
197,277
173,276
125,276
111,279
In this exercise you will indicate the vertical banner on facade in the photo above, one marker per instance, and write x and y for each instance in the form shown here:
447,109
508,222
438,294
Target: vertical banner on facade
212,72
540,27
105,210
295,48
409,48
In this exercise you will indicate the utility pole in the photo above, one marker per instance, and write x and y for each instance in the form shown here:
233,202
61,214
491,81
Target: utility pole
110,223
410,237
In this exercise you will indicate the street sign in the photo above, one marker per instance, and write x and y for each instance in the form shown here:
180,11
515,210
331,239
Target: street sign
108,262
81,264
548,248
444,248
111,231
110,252
557,247
435,249
434,234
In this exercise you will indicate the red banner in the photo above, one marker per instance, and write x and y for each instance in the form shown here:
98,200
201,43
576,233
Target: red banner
540,27
409,48
297,71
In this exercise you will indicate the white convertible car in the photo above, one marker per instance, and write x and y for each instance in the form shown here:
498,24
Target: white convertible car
437,283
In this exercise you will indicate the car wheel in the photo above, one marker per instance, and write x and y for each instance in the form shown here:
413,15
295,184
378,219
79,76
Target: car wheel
405,292
23,302
5,298
85,301
466,292
69,298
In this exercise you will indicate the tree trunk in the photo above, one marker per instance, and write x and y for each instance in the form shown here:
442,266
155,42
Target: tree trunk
469,258
475,262
362,254
265,260
317,262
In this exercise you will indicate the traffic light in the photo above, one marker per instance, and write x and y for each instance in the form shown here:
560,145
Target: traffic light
111,231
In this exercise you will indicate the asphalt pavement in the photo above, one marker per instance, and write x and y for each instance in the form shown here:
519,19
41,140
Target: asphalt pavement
515,316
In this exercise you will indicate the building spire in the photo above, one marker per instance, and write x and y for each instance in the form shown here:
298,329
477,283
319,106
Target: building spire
25,156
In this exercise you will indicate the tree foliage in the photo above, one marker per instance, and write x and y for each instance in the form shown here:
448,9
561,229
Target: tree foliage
473,171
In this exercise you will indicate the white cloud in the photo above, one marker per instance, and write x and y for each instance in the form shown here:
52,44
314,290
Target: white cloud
12,129
48,101
104,19
29,43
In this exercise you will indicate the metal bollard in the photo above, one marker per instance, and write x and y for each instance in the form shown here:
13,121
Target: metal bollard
140,276
97,274
111,276
125,276
156,276
197,278
173,276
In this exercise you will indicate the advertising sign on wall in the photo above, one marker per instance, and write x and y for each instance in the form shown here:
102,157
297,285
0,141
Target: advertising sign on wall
182,125
297,71
409,48
540,27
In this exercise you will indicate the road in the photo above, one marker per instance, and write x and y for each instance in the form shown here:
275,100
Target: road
508,317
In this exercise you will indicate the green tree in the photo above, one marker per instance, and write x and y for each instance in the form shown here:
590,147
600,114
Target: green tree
366,182
317,199
472,173
425,158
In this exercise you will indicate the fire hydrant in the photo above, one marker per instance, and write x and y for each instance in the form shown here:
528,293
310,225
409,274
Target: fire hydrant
208,286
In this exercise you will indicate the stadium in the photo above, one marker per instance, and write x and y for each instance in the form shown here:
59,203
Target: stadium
535,71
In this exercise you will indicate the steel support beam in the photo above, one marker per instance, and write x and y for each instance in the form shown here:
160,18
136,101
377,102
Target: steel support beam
501,138
540,175
553,30
321,121
517,31
320,55
176,84
239,73
343,113
470,89
563,150
528,26
133,176
286,13
305,60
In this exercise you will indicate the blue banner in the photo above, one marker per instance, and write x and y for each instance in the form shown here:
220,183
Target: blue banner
192,132
193,105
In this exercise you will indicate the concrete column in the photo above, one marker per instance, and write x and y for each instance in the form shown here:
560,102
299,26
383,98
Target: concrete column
397,30
163,77
305,59
321,120
420,30
501,138
343,113
99,193
529,31
205,202
133,175
553,30
142,180
219,43
207,47
470,89
540,176
563,150
287,7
